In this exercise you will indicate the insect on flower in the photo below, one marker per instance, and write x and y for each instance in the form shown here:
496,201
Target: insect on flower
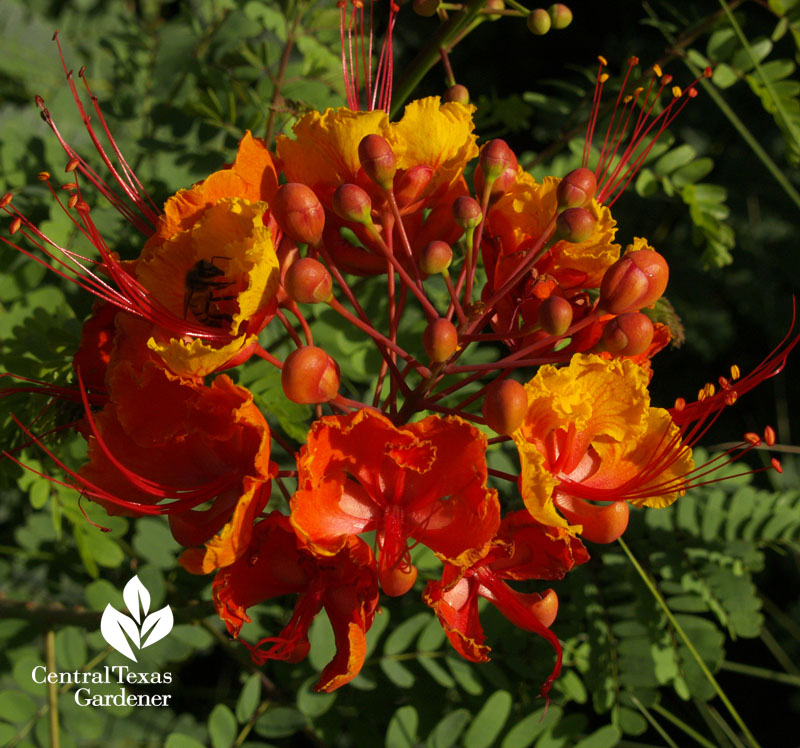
200,287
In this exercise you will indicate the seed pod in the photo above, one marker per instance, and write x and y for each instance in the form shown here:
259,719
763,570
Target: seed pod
440,340
505,406
299,213
436,257
555,315
308,281
309,376
577,188
628,335
378,160
634,281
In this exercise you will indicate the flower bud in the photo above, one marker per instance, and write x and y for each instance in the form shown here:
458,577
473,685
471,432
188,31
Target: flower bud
560,15
457,93
412,183
496,158
378,160
308,281
436,257
628,335
396,580
425,8
602,523
574,225
634,281
467,212
576,189
555,315
352,203
504,406
299,213
440,340
539,21
494,5
309,376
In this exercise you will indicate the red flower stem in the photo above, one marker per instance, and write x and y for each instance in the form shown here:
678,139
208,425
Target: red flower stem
475,395
476,244
504,476
401,229
591,317
259,351
345,403
448,69
289,328
284,490
295,310
498,440
375,335
286,474
499,365
429,309
288,448
455,412
455,304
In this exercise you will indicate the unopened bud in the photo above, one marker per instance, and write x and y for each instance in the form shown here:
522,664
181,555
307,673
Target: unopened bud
466,212
299,213
628,335
496,158
412,183
505,406
539,22
310,376
440,340
378,160
352,203
634,281
435,257
456,93
425,8
494,5
555,315
308,281
574,225
577,188
560,15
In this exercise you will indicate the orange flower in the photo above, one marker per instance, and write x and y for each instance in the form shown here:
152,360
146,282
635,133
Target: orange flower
590,433
425,480
275,564
523,549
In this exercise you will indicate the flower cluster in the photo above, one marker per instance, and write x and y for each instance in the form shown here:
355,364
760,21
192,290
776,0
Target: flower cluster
498,265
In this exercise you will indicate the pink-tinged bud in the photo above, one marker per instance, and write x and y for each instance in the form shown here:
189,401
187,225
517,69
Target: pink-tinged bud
494,5
351,203
505,406
440,340
577,188
555,315
466,212
602,523
412,183
496,158
539,22
378,160
425,8
574,225
456,93
310,376
628,335
308,281
299,213
435,257
634,281
560,15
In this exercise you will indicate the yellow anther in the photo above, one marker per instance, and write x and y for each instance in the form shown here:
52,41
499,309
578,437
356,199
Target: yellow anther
637,90
731,397
701,395
627,100
633,60
657,70
603,77
676,91
735,373
43,176
602,60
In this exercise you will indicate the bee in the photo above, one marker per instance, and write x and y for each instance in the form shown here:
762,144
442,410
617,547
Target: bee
202,281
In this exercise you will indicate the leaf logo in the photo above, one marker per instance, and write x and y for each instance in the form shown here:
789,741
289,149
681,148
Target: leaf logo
140,629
